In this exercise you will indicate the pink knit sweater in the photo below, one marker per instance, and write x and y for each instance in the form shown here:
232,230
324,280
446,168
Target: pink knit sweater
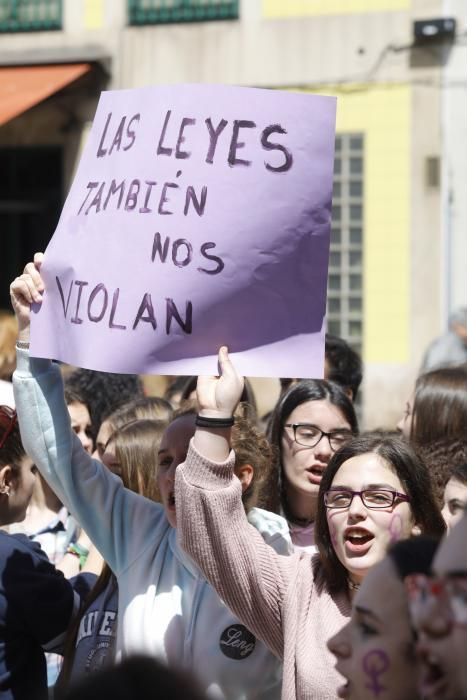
277,598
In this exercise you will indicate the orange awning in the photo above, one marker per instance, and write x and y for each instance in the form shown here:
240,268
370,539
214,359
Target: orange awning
22,87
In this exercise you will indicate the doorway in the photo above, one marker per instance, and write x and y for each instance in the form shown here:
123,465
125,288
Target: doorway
30,203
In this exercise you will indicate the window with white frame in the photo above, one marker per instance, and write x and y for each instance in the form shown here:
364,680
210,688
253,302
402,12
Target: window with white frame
345,281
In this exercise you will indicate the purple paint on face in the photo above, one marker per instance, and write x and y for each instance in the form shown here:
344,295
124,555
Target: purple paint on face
375,664
395,528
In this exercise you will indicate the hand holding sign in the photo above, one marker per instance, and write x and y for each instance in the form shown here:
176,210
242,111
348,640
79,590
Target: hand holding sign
199,217
219,396
217,399
25,291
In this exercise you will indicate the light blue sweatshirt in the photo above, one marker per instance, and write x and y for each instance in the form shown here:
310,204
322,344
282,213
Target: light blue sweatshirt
166,608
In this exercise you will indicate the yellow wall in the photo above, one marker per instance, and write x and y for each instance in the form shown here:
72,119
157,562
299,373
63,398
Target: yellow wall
301,8
93,14
382,114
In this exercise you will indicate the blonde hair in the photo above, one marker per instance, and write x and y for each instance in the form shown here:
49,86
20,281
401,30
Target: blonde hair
136,446
146,408
8,334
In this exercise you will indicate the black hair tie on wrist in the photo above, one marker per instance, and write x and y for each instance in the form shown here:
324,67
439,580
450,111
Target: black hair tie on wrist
206,422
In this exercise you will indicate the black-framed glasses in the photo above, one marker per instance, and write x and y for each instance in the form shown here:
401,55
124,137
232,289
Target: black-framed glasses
308,435
371,498
7,423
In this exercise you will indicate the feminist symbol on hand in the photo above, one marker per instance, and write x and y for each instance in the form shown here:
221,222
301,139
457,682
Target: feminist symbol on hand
375,663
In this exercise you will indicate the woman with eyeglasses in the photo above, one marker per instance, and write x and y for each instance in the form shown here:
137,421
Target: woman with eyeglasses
36,601
373,492
312,420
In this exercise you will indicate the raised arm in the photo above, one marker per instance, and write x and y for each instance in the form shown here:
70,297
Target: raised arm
25,290
96,497
245,571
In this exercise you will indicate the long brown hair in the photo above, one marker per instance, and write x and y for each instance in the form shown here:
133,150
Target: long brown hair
440,405
136,446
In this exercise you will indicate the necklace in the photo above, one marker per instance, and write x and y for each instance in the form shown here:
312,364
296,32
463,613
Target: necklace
353,586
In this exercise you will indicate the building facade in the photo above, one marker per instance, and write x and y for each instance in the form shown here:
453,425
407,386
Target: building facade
398,243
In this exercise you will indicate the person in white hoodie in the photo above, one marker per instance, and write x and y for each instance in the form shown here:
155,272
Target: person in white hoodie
166,607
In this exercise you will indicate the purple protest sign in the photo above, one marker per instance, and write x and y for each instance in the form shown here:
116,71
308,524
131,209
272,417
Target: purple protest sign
199,216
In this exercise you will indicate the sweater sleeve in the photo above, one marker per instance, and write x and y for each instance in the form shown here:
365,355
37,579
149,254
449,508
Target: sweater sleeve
213,529
95,496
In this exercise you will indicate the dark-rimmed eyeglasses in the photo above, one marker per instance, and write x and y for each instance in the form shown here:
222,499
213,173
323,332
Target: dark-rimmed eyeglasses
308,435
371,498
7,423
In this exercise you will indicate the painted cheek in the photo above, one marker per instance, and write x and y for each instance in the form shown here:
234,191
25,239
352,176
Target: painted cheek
375,665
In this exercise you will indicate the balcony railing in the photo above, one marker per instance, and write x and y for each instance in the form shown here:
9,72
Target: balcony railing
30,15
170,11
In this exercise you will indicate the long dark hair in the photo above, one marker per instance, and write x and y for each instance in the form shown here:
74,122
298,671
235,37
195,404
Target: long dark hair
414,478
440,405
274,497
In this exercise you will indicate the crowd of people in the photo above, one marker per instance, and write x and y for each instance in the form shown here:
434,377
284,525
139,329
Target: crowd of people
187,547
